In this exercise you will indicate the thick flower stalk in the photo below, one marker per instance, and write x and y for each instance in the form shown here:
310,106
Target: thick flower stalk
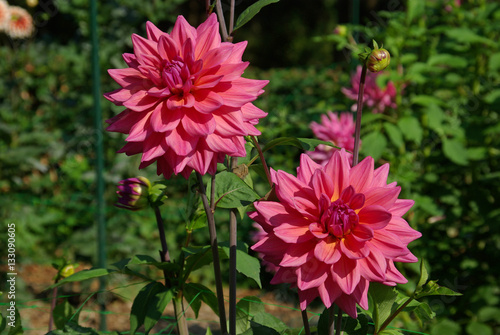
336,129
335,229
187,105
376,98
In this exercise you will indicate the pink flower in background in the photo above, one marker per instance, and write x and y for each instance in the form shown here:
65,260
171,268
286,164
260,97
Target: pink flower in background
334,230
20,23
187,105
375,98
4,15
335,129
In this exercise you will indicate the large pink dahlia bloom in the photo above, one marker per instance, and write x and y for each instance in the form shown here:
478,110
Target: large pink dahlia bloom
334,230
187,105
376,98
336,129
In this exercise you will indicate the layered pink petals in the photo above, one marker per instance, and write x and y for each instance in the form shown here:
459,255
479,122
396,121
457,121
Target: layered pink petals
187,104
335,229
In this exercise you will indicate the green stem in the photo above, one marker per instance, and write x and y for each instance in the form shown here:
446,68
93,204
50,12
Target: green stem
264,164
359,112
180,316
305,321
338,323
215,252
393,315
233,238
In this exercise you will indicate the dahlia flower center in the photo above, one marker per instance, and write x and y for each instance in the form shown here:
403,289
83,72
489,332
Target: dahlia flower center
175,76
339,219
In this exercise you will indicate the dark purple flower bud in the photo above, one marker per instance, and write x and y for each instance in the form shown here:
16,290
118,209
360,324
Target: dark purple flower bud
133,193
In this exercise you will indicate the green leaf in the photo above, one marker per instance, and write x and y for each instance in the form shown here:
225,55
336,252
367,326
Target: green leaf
455,151
84,275
494,62
390,332
489,313
196,258
72,328
492,97
3,322
63,313
196,293
474,328
232,192
424,275
148,306
416,9
383,297
447,327
432,288
424,312
447,60
251,11
246,264
373,144
466,35
246,308
18,327
425,100
268,320
411,129
394,134
435,117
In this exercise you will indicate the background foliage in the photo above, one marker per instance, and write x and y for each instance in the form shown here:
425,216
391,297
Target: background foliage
442,141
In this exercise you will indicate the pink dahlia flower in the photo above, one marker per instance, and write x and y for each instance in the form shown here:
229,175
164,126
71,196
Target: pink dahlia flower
20,23
335,129
334,230
374,97
187,105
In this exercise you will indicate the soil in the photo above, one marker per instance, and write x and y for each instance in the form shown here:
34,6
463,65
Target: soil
35,279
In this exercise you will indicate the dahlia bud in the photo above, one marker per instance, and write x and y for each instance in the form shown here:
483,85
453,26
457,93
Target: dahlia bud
340,30
66,271
378,59
133,193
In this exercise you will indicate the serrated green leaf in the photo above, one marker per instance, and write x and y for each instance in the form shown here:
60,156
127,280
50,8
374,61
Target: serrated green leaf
373,144
424,275
394,134
63,313
196,258
148,306
411,129
455,151
246,309
251,11
465,35
231,191
447,60
383,297
196,293
84,275
268,320
246,264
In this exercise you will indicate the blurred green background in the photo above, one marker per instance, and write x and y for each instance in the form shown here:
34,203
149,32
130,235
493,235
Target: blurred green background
442,141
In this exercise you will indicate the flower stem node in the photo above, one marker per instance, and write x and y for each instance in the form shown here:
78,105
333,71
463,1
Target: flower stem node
377,59
133,193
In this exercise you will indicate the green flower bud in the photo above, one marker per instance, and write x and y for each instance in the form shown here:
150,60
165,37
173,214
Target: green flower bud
378,60
66,271
340,30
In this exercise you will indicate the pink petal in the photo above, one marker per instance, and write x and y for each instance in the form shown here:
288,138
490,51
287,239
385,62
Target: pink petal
389,244
401,206
402,229
122,122
329,291
140,130
230,124
292,233
346,274
208,36
198,124
327,251
284,275
207,101
164,119
338,170
144,46
374,266
271,209
394,275
167,48
182,31
376,217
128,77
362,174
380,176
311,274
353,248
153,32
180,142
321,184
140,101
298,254
382,196
118,96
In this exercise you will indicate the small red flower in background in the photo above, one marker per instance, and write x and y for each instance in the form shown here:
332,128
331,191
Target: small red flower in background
335,229
374,97
187,105
336,129
4,15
